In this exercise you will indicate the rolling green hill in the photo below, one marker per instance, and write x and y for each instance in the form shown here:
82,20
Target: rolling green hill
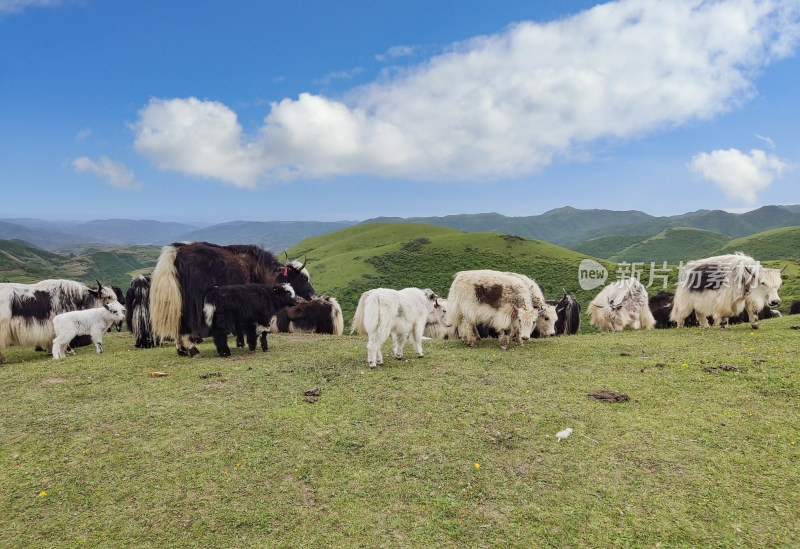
775,244
607,246
348,262
672,246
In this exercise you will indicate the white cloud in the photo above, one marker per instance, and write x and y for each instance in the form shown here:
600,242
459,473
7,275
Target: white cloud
339,75
116,174
396,51
767,140
83,134
17,6
740,176
495,106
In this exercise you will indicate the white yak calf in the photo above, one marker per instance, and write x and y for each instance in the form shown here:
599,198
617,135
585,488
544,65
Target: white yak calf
399,313
91,322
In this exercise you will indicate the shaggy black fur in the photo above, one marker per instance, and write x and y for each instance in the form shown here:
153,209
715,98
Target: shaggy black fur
138,299
661,307
795,308
241,308
315,315
201,265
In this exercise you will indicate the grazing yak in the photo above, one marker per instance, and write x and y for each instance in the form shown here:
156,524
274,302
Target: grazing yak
622,304
502,301
185,272
401,313
319,315
723,286
88,322
244,309
138,312
661,307
27,310
438,325
568,316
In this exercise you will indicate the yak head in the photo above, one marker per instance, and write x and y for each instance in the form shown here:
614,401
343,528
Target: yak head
293,272
524,319
546,321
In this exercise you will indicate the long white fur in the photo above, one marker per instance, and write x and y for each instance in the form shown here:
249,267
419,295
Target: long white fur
15,330
92,322
400,313
466,312
622,304
743,283
166,302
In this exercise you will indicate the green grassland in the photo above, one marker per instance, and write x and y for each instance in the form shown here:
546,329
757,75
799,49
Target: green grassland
453,450
774,244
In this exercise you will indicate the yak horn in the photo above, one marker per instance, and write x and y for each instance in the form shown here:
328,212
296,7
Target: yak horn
784,268
305,260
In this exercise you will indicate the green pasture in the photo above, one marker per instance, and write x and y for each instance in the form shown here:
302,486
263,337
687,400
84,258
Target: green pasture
453,450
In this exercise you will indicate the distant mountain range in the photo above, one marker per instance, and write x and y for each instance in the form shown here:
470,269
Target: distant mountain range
567,227
66,237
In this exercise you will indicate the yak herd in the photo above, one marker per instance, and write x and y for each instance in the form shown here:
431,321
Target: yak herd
198,290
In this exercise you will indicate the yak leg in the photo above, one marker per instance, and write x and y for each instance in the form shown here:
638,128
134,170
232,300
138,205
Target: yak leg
753,317
186,346
504,339
703,319
416,338
221,342
240,340
468,332
264,344
97,339
252,336
374,341
399,343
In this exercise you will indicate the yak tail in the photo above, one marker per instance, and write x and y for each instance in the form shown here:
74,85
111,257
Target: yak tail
358,319
166,302
337,317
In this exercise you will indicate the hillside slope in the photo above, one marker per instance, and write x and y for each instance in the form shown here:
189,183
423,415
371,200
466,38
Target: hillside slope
23,262
673,246
775,244
351,261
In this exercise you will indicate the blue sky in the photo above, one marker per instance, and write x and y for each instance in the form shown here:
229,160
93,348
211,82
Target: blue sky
310,110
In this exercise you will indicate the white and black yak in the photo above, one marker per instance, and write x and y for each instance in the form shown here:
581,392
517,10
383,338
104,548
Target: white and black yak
568,316
723,286
318,315
27,310
185,272
501,301
244,309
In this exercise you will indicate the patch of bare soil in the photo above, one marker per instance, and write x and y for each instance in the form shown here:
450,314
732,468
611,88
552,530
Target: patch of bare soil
53,381
211,374
714,370
606,395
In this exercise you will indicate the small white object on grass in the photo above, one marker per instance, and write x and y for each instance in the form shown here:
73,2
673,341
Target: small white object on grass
564,434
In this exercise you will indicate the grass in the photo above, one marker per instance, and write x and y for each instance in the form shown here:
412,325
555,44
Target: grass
774,244
454,450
